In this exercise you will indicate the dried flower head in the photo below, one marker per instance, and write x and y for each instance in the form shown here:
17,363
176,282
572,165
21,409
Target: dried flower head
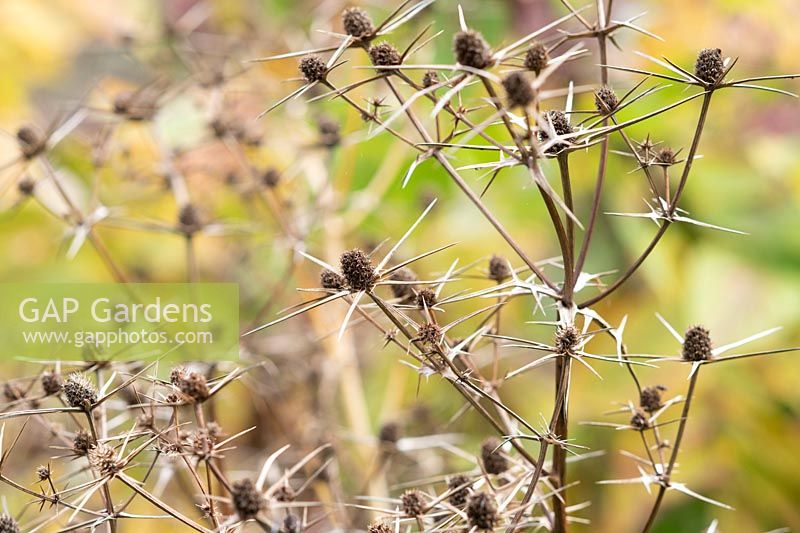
666,156
270,178
709,66
499,268
459,485
494,462
379,527
518,91
430,78
536,57
426,298
189,219
329,132
696,344
313,68
558,122
285,493
471,50
26,185
650,398
291,524
403,290
605,100
429,333
357,270
356,22
194,385
43,472
412,503
12,392
389,433
103,459
8,524
79,391
51,383
566,340
639,420
31,141
247,500
331,280
482,511
82,442
384,55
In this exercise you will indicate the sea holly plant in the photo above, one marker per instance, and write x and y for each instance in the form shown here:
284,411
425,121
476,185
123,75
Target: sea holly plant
133,442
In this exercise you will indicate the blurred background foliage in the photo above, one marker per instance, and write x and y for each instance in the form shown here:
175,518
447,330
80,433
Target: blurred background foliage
741,441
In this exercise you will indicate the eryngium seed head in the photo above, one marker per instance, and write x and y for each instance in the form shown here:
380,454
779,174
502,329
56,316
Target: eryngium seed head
357,270
459,485
498,268
31,141
331,280
566,340
650,398
384,55
379,527
431,77
558,122
79,391
666,156
285,493
51,383
404,290
8,524
471,49
696,344
429,333
412,503
357,23
189,219
82,442
389,433
313,68
605,100
536,57
271,177
639,420
42,472
194,385
247,500
518,91
493,459
26,186
482,511
103,459
291,524
426,298
709,66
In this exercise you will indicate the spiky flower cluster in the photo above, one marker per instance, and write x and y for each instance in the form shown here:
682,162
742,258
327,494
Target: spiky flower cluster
331,280
471,50
536,57
103,459
482,511
494,462
709,66
519,92
459,487
499,269
605,100
247,500
51,383
426,298
384,55
356,22
8,524
555,121
650,398
357,270
404,289
79,391
193,385
697,344
412,503
313,68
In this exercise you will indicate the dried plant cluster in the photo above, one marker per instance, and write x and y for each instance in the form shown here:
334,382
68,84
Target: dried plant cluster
132,440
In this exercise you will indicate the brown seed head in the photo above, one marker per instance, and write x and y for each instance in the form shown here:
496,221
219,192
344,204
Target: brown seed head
389,433
285,493
536,57
412,503
518,91
557,122
42,473
666,156
639,420
329,132
499,268
430,78
82,442
189,219
460,486
426,298
357,23
313,68
384,55
247,500
482,511
331,280
566,340
494,462
26,185
430,334
605,100
103,459
379,527
404,291
650,398
696,344
51,383
195,386
8,524
291,524
471,50
357,270
709,66
270,178
79,391
31,141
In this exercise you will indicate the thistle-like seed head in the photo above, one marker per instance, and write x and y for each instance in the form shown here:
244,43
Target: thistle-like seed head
605,100
26,185
666,156
313,68
82,442
329,132
499,268
357,270
536,57
331,280
379,527
639,420
482,511
79,391
31,141
429,333
460,486
270,178
42,472
412,503
566,340
194,385
389,433
291,524
709,66
51,383
8,524
247,500
471,50
426,298
558,122
518,91
103,459
384,55
285,494
696,344
357,23
494,462
650,398
404,291
430,77
189,219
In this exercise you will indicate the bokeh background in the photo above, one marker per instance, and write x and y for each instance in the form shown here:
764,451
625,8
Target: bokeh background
741,445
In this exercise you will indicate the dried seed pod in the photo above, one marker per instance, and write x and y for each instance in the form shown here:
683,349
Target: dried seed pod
709,66
329,132
471,50
696,344
412,503
430,78
270,178
430,334
605,100
357,23
331,280
12,393
384,55
313,68
389,433
291,524
404,291
357,270
518,91
666,156
639,420
536,57
566,340
499,268
494,462
194,385
79,391
482,511
8,524
42,473
189,219
379,527
103,459
31,141
426,298
82,442
650,398
285,494
247,500
26,185
51,383
558,122
459,485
